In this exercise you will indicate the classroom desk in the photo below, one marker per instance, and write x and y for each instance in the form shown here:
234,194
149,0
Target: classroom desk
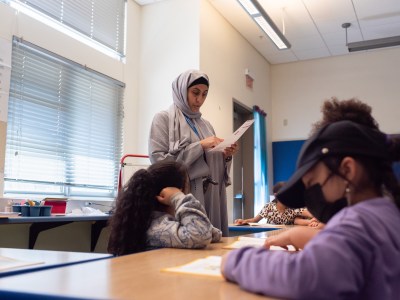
136,276
40,224
46,259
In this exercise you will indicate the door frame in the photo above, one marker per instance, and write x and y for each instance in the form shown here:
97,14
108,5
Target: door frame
243,165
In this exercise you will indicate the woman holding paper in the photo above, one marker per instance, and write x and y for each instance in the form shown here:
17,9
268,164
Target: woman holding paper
182,134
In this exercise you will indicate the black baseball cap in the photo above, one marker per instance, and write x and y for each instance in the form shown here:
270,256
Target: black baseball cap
339,138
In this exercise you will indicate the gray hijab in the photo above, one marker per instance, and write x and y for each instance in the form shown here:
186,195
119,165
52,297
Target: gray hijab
179,91
179,130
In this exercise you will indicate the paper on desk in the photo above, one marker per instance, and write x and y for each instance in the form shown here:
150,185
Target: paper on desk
209,266
234,137
244,241
7,263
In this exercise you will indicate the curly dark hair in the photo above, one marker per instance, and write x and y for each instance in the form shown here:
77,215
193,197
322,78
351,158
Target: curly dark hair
334,110
137,201
380,172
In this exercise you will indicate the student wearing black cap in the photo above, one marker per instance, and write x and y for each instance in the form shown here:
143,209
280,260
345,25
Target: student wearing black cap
333,110
344,177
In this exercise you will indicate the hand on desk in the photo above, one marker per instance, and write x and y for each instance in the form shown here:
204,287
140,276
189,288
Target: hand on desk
256,219
297,236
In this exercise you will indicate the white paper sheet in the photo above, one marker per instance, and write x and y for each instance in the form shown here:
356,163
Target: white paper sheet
234,137
209,266
244,241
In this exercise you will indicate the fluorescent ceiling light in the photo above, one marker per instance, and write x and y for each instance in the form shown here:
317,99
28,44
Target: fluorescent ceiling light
370,44
373,44
255,10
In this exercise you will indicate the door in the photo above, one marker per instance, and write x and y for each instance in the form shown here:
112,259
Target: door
243,165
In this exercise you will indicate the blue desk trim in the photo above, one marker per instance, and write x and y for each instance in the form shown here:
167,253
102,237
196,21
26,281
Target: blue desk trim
23,296
52,219
252,229
48,267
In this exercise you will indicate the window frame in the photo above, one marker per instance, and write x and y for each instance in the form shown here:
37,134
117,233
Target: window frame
67,188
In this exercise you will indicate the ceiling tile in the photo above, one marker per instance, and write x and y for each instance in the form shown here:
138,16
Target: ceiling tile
377,9
307,42
312,53
313,27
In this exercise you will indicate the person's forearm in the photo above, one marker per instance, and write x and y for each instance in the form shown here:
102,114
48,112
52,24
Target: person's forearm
301,221
256,219
305,213
300,236
192,228
252,220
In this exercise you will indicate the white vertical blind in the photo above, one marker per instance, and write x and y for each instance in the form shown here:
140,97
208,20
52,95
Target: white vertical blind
64,131
100,20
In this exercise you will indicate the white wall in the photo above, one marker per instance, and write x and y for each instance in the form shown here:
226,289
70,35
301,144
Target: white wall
298,89
169,45
131,76
224,56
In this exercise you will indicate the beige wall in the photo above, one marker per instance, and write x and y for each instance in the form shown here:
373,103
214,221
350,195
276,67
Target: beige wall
75,237
298,89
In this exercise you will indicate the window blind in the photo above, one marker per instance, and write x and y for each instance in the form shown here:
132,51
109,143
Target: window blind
100,20
64,131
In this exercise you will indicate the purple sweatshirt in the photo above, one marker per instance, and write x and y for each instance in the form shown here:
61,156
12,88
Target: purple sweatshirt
356,256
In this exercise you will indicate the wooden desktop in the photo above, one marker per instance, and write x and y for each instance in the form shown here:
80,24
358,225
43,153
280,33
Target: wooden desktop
35,260
137,276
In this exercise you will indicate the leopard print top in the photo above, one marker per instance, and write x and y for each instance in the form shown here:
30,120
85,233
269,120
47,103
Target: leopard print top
274,216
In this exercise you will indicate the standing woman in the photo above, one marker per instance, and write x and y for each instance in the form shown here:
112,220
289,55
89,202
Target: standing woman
181,134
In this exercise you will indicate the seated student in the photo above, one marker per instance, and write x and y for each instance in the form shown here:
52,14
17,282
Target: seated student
275,212
344,177
154,211
333,110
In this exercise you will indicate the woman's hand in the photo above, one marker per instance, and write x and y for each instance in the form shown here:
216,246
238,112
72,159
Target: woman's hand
166,195
210,142
230,151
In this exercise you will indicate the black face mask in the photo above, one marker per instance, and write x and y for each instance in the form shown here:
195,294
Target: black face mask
319,207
